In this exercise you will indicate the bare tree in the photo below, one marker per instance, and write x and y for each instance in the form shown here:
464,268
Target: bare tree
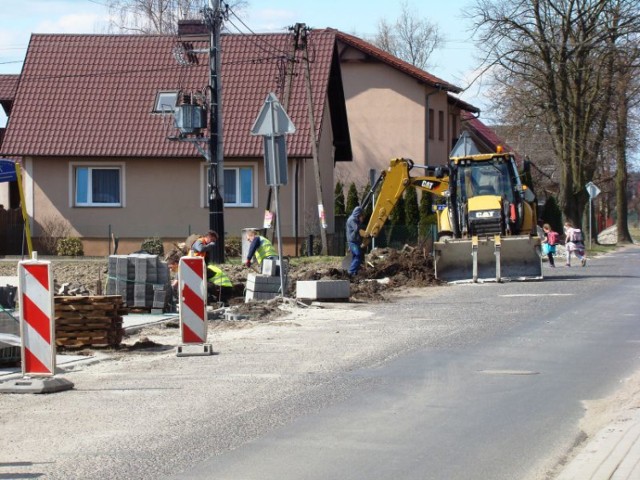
626,86
156,16
409,38
559,54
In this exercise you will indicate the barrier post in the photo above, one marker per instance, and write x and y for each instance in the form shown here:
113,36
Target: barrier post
192,290
37,331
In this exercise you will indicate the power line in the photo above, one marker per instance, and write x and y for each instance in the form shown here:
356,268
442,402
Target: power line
255,35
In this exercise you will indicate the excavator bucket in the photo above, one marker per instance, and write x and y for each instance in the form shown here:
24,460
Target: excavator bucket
488,259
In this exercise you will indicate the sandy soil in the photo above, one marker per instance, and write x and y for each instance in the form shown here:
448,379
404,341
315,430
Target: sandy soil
394,269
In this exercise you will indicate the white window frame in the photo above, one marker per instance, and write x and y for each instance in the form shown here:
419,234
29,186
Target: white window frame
97,166
158,108
204,186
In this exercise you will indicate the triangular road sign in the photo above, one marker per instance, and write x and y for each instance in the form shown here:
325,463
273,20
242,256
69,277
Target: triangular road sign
272,119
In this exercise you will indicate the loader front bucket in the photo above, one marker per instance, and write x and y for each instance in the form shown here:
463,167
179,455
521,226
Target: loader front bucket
495,258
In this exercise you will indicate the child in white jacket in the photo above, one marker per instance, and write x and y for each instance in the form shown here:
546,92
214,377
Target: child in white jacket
574,243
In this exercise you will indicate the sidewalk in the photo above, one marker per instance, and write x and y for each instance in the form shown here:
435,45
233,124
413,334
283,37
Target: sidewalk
130,323
612,454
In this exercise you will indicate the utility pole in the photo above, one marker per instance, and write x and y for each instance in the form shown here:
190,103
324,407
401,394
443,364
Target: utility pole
213,17
302,30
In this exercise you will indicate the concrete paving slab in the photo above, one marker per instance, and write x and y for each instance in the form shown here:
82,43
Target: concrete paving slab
614,453
136,321
323,289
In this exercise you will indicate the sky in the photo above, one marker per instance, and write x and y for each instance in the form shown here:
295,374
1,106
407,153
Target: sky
455,62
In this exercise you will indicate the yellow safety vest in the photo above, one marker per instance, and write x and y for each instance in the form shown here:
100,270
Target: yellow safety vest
219,277
265,250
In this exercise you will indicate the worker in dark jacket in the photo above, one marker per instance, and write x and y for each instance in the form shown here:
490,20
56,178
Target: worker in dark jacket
203,246
354,224
261,247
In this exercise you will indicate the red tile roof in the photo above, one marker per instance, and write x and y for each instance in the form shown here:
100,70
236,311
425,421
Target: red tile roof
462,104
484,133
8,85
395,62
93,95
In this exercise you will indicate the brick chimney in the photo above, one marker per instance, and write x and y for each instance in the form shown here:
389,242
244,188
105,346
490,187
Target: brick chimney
193,30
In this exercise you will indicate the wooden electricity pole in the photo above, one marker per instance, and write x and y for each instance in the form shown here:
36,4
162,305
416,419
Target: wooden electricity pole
301,27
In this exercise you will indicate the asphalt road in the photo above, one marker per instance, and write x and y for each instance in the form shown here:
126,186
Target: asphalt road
456,382
501,403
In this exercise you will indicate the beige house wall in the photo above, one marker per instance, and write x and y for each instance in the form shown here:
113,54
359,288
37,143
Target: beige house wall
387,112
167,198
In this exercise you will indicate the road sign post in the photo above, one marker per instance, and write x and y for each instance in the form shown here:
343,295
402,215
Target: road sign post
273,123
593,192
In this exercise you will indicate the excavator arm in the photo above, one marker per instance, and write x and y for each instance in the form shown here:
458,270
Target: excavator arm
391,185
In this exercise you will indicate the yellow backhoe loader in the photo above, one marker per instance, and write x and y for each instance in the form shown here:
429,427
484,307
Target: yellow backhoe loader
487,224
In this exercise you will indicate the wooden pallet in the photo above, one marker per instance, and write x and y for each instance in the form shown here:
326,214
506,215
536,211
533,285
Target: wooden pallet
85,321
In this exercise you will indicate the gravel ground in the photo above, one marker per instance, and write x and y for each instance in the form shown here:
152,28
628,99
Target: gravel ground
138,405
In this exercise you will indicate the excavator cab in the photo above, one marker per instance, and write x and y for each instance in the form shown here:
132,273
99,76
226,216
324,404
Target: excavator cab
487,230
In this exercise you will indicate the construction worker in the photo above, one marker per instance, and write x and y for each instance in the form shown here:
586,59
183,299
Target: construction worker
219,285
354,224
203,246
261,247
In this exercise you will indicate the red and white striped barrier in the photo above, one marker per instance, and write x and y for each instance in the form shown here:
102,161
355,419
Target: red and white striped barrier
192,286
37,327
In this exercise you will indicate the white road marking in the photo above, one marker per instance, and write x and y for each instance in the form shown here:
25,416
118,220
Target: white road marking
538,295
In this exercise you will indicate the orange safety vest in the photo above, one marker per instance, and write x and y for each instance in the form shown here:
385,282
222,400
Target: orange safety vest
193,253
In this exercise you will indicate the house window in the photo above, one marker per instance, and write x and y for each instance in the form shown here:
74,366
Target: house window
431,123
97,186
238,186
165,102
440,125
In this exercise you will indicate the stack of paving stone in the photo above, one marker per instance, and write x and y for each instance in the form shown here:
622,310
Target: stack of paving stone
266,285
83,321
141,279
262,287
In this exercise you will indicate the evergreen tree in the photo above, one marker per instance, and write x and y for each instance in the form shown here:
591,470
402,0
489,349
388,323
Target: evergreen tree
352,198
338,199
412,214
427,217
368,209
396,233
398,215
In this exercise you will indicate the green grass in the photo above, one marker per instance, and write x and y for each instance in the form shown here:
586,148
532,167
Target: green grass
596,249
324,260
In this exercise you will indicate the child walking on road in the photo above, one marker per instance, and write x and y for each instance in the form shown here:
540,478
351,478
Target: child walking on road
574,242
549,243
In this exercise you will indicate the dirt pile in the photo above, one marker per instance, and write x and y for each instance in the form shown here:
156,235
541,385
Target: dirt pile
384,271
